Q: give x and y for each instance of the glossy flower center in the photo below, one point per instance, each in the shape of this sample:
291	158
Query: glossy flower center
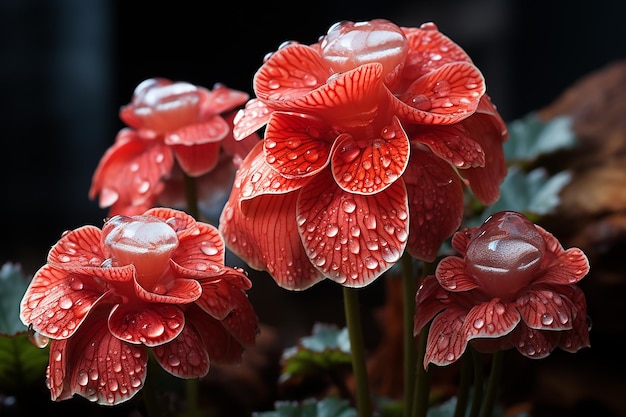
348	45
143	241
505	254
165	106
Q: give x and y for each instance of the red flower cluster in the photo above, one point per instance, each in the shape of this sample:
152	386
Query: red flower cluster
513	286
168	121
366	130
155	281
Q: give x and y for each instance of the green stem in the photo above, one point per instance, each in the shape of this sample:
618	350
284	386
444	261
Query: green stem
464	386
191	192
492	385
149	398
355	331
409	284
478	382
422	386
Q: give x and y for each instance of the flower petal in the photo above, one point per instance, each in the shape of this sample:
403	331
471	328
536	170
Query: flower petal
490	319
370	168
185	356
148	324
130	172
486	128
242	322
297	145
78	247
446	341
352	238
430	299
182	223
577	338
451	144
266	238
221	346
569	267
446	95
211	130
176	291
197	160
545	308
251	118
219	295
57	301
461	239
435	194
219	100
96	365
534	343
200	249
452	275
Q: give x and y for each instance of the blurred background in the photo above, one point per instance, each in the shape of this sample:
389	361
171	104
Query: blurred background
66	67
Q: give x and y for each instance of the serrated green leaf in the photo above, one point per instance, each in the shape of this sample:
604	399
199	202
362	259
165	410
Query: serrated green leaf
13	285
21	363
530	137
327	407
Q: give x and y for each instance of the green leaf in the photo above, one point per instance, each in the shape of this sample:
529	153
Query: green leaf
13	285
21	363
531	137
327	407
325	350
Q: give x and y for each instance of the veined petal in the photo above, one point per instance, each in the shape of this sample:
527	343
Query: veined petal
452	275
451	144
491	319
544	308
147	324
96	365
57	301
182	223
185	356
219	295
199	159
297	145
371	168
242	322
446	341
291	72
204	247
221	346
430	299
435	194
251	118
266	238
486	128
461	239
219	100
78	247
213	129
577	338
428	50
176	291
352	238
446	95
569	267
534	343
130	171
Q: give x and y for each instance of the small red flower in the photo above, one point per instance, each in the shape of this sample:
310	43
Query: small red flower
365	131
513	286
167	122
155	281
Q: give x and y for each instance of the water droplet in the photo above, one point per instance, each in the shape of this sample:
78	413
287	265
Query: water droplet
173	360
479	323
369	221
65	303
421	102
348	205
390	254
332	230
547	319
36	338
371	262
208	248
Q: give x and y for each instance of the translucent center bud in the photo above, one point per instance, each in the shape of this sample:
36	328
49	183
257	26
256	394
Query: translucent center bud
505	254
143	241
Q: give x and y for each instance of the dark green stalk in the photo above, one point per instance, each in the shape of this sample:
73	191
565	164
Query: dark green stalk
355	331
464	386
191	192
492	385
409	288
478	382
422	386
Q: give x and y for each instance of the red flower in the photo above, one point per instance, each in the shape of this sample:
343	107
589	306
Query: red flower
365	132
167	121
513	286
155	281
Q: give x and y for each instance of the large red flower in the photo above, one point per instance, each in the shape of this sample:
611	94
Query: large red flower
513	286
364	133
167	122
155	281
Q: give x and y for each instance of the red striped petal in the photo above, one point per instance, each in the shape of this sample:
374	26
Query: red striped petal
452	275
147	324
185	356
251	118
490	319
446	341
81	246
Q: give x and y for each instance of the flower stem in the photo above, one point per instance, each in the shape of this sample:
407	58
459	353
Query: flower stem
422	386
149	398
355	331
478	383
191	193
409	284
492	384
464	386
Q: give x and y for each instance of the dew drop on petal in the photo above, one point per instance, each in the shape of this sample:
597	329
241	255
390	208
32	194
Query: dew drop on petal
208	248
371	262
547	319
479	323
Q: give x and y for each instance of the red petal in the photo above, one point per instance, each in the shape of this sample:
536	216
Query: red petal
57	301
569	267
446	341
201	249
176	291
219	295
488	130
197	160
461	239
97	365
451	144
452	275
352	238
148	324
130	172
535	344
182	223
250	119
211	130
79	247
490	319
221	346
371	168
266	238
436	204
578	337
242	323
547	309
297	145
446	95
185	356
219	100
430	299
